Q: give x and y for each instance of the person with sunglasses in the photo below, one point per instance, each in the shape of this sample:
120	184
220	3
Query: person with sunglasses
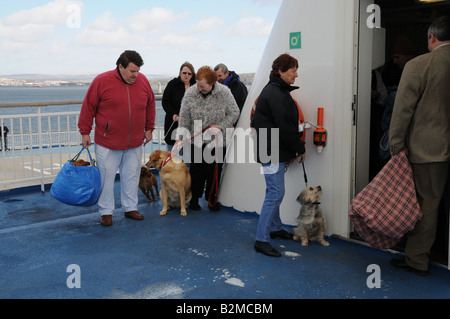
171	101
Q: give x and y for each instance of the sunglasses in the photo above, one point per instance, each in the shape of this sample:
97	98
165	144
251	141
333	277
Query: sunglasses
187	73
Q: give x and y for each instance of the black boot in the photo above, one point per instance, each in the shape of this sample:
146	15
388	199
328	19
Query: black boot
194	204
281	234
266	249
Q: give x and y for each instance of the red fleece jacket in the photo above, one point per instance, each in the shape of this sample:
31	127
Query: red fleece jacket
122	112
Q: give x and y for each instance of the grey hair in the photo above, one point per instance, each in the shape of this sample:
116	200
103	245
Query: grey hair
440	28
221	66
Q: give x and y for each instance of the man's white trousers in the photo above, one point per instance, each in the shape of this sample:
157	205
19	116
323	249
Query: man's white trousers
128	163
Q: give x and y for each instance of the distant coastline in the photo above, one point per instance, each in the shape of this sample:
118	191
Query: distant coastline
41	80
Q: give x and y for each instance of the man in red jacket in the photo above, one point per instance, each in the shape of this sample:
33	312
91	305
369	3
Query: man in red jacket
123	105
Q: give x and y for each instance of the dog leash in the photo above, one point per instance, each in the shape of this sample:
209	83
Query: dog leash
304	170
304	174
214	192
168	158
168	131
215	187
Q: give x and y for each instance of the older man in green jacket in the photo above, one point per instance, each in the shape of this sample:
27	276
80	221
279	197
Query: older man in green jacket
421	124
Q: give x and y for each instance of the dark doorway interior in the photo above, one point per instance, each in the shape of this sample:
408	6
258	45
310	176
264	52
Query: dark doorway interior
407	19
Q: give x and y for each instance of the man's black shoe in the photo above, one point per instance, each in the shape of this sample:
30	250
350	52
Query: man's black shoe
266	249
281	234
401	264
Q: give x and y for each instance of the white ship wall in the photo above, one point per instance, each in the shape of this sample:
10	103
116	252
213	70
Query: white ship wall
326	73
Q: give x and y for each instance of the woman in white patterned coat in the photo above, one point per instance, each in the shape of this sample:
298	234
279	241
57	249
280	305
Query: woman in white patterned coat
207	105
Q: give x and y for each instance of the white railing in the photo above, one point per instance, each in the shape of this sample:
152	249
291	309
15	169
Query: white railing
40	143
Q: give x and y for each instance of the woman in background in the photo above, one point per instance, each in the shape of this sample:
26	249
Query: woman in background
171	100
210	105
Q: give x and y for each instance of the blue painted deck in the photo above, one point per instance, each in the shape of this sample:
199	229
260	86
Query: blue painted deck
205	255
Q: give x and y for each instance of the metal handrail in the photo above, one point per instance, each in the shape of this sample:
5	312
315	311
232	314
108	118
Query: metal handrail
158	97
30	149
26	104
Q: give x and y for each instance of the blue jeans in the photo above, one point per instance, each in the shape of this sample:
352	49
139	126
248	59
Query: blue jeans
269	220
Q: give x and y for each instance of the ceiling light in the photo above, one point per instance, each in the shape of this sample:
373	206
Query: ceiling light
429	1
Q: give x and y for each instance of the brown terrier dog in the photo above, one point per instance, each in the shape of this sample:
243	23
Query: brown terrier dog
146	183
311	220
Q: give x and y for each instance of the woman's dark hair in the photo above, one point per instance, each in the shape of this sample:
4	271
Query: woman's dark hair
128	57
283	63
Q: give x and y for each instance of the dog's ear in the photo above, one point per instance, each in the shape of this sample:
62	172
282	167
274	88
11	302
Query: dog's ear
156	154
157	157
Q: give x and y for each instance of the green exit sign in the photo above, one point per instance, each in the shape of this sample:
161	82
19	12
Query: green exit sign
295	40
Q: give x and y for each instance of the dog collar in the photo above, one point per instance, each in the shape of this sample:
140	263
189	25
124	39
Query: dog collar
315	203
167	160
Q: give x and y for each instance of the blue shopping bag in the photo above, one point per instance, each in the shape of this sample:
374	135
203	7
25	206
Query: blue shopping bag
77	185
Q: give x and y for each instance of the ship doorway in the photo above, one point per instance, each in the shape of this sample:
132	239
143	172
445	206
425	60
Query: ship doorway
404	26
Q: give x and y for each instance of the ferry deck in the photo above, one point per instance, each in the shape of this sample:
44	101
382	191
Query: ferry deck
49	250
206	255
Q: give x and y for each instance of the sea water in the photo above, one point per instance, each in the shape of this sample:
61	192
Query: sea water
45	94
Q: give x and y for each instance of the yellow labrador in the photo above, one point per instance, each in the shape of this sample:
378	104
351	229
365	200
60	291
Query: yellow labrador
175	181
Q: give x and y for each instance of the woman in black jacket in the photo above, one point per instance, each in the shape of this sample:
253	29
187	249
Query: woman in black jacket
172	97
276	112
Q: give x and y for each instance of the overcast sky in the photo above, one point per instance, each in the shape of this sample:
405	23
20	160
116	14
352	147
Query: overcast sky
71	37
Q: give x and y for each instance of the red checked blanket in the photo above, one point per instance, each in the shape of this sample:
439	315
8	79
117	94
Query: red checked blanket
387	208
